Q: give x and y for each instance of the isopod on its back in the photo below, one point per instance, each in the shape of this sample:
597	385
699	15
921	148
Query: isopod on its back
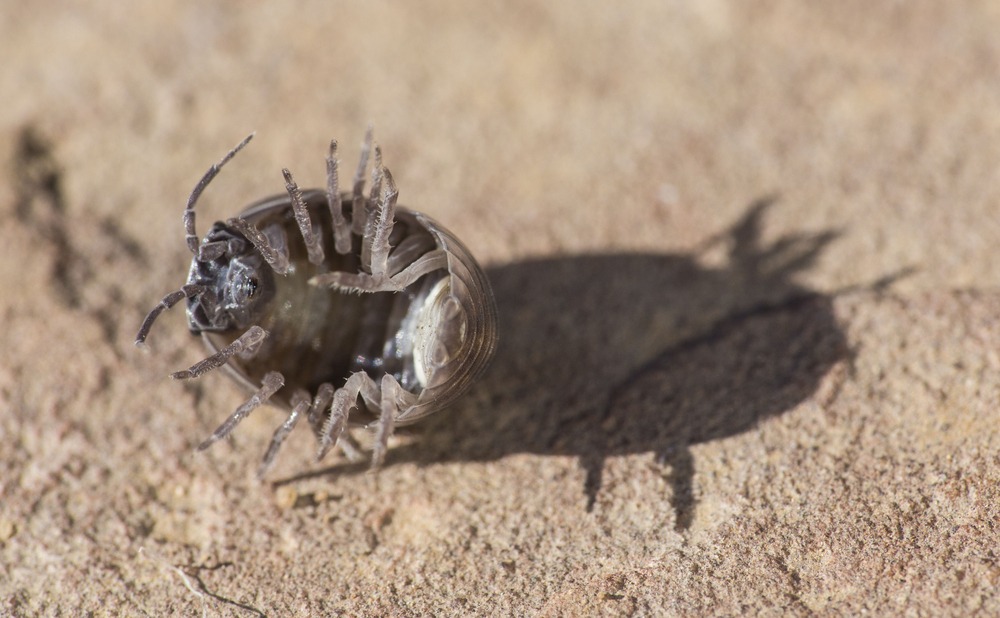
340	307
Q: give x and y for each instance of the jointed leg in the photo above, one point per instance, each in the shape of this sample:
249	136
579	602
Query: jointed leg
386	421
378	260
300	405
379	226
344	400
320	405
249	342
375	193
277	257
341	227
324	395
427	263
363	282
381	272
395	401
314	243
409	250
269	385
359	210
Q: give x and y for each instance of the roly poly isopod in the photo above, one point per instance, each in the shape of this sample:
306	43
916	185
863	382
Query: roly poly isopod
338	307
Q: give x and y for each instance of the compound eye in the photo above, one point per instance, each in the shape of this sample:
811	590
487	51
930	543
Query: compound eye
249	287
245	289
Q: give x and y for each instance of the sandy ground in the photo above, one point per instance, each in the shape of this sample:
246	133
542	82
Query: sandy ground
744	253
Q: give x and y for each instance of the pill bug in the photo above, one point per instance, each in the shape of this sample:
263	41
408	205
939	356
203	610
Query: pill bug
339	307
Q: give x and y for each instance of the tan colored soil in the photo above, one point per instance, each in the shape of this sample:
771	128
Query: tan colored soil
745	255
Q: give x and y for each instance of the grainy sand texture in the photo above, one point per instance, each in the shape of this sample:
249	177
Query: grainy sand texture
745	256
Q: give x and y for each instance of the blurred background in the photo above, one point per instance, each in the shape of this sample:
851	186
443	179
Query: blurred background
558	127
691	212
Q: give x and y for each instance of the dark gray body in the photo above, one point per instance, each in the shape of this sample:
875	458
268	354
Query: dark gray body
339	307
320	335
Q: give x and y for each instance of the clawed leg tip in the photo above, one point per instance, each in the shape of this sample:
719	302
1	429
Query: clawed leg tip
181	375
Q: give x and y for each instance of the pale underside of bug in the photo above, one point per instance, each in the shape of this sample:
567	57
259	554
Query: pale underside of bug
392	324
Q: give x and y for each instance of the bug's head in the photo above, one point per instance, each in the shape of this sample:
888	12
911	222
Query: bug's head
238	282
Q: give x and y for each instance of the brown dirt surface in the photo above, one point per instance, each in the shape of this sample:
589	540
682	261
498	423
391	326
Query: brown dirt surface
744	254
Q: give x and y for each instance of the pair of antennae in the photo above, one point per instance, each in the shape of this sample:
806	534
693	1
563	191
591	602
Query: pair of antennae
190	290
278	260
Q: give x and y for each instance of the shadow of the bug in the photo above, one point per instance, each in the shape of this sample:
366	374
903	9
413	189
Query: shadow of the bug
604	355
